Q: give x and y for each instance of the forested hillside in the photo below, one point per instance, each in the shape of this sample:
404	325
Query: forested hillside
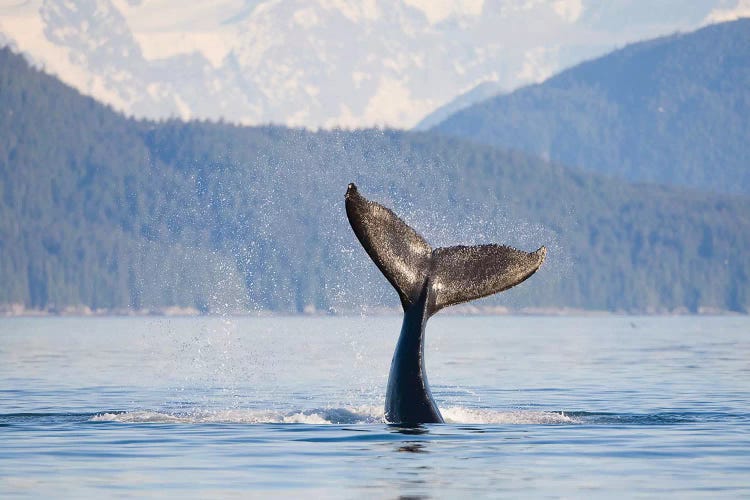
674	110
100	210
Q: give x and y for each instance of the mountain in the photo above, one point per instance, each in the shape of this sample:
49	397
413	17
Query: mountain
296	62
674	110
108	212
315	63
481	92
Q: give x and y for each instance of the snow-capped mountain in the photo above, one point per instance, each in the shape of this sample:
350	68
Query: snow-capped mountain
312	63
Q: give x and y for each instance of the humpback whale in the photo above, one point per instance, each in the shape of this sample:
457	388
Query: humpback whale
427	280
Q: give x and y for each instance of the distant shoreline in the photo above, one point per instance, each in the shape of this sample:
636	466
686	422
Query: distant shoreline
19	311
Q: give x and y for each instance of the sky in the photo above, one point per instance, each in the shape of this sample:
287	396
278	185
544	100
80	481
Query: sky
324	63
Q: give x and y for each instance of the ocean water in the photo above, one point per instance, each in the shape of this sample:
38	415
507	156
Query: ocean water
293	407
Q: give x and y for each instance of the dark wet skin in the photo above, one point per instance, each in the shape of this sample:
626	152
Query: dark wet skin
408	399
427	280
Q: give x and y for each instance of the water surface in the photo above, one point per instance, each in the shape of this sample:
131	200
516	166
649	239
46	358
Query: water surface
536	406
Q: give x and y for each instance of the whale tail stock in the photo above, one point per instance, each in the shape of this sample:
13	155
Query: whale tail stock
454	274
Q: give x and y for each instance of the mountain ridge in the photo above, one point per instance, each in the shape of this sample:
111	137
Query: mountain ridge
312	63
672	110
102	211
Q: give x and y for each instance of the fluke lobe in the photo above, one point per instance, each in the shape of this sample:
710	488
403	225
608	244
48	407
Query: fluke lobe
427	280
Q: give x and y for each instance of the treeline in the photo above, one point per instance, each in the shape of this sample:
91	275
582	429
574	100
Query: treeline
100	210
674	110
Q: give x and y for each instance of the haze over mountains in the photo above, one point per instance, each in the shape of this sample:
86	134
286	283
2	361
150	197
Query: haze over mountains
107	212
323	62
672	110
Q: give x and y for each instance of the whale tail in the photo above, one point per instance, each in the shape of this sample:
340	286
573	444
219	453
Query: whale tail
454	274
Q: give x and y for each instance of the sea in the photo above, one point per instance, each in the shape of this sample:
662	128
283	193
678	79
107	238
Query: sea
292	407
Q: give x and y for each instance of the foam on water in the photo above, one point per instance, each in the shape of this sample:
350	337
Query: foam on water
345	415
461	415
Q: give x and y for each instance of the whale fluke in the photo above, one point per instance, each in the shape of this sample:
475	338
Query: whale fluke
427	280
400	253
460	274
456	274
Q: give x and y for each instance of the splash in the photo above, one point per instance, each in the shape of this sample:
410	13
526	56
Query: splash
461	415
345	415
341	416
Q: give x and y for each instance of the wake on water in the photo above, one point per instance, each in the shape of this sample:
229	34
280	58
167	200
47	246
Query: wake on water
346	415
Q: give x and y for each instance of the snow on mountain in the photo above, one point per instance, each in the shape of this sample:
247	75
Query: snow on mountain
312	63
